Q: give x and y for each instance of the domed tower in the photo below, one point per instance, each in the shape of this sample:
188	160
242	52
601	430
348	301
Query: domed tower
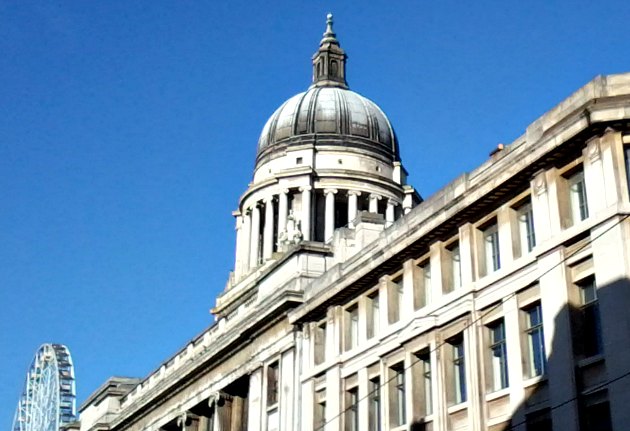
323	156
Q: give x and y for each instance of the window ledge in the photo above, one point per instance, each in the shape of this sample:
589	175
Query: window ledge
534	380
272	409
498	394
457	407
591	360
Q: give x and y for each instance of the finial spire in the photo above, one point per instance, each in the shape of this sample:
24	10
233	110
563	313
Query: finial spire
329	62
329	34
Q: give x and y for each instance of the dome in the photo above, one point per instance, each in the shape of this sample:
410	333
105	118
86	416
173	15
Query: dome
328	113
339	115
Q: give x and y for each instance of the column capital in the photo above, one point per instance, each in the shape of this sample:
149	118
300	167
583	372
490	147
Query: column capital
330	191
392	201
375	196
283	192
268	199
353	193
306	188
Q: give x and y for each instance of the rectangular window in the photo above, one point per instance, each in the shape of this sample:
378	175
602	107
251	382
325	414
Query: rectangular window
319	413
491	245
591	335
455	281
374	406
423	381
535	340
272	384
538	421
319	339
352	327
352	410
422	285
373	314
395	299
526	232
397	393
577	197
458	366
595	412
498	355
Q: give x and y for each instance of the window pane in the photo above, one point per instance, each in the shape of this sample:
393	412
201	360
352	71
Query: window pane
456	268
459	370
535	341
577	191
491	238
526	228
591	322
498	352
374	405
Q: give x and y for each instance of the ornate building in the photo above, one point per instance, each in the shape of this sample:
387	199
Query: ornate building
498	303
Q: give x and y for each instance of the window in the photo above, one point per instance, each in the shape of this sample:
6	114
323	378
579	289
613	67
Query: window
458	369
319	339
395	299
319	413
373	314
591	334
397	396
595	412
538	421
626	156
527	236
352	410
272	384
352	327
374	406
535	340
498	355
422	284
455	279
491	244
577	197
423	380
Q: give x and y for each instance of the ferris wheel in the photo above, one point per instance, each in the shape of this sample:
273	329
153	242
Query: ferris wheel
48	399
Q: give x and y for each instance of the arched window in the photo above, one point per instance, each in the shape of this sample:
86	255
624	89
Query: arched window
333	68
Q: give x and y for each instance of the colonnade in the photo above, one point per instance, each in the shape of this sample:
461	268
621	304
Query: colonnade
260	226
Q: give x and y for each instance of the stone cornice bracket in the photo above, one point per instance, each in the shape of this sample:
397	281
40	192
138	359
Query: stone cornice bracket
592	149
218	399
540	183
185	418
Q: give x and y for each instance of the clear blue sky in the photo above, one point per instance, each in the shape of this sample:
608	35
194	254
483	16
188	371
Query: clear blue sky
129	129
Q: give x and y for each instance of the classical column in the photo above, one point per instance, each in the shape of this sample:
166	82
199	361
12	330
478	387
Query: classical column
305	221
374	203
283	209
239	240
243	250
389	212
268	230
255	234
353	196
329	225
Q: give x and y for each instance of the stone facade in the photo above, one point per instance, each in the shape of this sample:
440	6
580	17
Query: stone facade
498	303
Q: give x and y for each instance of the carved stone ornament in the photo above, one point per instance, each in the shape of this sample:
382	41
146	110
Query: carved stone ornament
540	184
592	150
